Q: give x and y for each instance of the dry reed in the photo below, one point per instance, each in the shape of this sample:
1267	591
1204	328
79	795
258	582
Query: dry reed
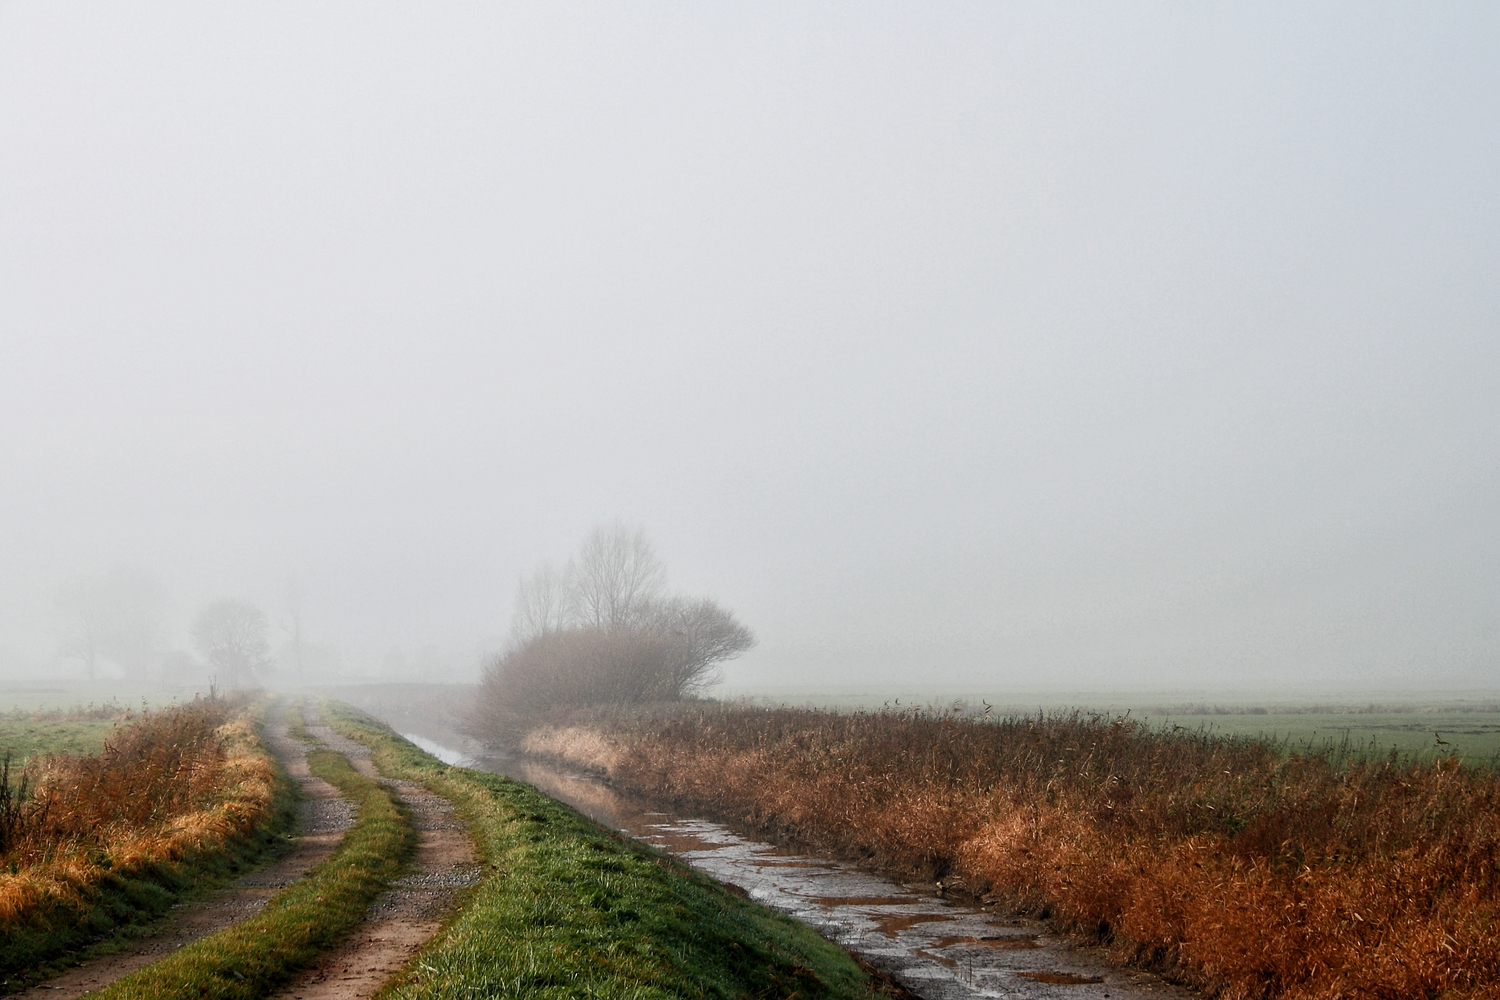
168	785
1232	864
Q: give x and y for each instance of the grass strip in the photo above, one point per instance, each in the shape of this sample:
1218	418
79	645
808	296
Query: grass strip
568	909
122	892
259	954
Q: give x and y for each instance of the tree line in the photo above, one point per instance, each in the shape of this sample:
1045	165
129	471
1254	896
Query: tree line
119	617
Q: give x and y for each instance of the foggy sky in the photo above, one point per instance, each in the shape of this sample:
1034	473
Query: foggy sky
946	343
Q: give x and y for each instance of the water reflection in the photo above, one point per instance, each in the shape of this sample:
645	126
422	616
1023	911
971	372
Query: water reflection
938	948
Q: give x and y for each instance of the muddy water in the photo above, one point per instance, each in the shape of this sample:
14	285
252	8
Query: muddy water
940	949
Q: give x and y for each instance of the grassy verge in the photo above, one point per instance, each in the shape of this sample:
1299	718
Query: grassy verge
180	801
569	910
259	954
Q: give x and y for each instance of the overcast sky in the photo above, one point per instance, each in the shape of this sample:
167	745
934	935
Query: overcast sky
949	344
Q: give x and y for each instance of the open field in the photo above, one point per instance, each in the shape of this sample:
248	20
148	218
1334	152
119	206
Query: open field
568	909
74	718
1367	723
1472	736
28	734
1227	863
69	696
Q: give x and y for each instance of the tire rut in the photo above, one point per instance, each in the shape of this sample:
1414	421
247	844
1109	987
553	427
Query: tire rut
407	916
323	817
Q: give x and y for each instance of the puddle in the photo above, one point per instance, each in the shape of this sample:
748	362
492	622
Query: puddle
1060	978
1016	941
892	926
938	948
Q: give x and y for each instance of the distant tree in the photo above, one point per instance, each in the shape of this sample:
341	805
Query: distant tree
85	623
542	604
583	666
116	616
234	637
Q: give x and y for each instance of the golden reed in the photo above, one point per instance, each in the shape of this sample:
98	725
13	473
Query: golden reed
1231	864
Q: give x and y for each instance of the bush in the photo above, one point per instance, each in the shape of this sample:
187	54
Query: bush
583	666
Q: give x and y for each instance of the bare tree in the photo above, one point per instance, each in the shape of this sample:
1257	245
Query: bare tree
117	616
616	578
234	637
85	623
710	635
542	602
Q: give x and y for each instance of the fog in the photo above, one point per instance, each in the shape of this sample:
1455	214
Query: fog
948	344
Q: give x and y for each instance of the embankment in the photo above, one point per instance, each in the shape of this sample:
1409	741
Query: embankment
568	909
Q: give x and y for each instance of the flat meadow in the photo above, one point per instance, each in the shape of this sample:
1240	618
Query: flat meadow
1429	726
25	734
1440	731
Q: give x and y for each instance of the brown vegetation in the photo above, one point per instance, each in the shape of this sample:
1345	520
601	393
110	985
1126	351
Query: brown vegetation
1228	863
172	784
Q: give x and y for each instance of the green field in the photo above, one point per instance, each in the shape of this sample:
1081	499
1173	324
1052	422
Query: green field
72	717
25	735
67	696
1370	722
1473	736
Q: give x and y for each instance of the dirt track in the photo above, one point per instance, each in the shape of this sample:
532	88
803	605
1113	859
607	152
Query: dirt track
406	917
323	818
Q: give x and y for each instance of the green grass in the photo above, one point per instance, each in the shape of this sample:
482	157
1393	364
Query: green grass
24	735
257	955
568	909
1473	736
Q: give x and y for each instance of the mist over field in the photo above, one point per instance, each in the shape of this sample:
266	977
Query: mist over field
959	346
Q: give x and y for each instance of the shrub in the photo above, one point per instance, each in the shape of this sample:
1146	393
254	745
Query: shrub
581	666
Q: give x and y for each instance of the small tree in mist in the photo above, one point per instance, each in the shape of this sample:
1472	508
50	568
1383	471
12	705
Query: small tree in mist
114	616
603	631
541	605
234	637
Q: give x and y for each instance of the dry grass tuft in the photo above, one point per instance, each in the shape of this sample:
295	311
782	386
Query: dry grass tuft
1229	863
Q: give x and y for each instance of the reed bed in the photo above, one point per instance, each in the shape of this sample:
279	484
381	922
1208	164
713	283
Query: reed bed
95	840
1238	866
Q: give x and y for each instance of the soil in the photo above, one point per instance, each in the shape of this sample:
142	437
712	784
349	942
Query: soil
405	918
323	817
